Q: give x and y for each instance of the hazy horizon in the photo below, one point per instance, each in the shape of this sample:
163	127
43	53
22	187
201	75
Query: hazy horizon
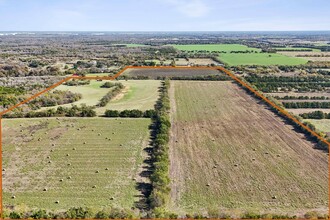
164	15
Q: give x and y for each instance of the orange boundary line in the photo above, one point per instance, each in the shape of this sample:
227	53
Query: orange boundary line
287	114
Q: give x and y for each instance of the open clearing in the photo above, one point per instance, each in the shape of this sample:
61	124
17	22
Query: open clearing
79	161
160	73
230	153
137	94
311	56
322	125
234	59
298	111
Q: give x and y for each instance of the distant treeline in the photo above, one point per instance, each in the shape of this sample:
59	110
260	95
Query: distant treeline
306	104
284	83
222	77
301	97
315	115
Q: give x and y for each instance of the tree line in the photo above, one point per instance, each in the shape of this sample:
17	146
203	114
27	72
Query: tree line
315	115
116	89
306	104
301	97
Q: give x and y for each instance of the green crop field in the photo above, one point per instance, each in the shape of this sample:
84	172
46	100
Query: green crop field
234	59
230	153
78	162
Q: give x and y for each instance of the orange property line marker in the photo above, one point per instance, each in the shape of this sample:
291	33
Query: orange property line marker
284	112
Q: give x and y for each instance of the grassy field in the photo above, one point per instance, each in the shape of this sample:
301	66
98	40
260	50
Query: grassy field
234	59
137	94
230	154
93	162
322	125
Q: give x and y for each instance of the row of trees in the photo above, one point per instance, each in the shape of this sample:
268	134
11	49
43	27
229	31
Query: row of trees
301	97
306	104
74	111
116	89
315	115
75	82
134	113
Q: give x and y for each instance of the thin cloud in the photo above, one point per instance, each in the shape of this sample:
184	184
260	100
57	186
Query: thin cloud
190	8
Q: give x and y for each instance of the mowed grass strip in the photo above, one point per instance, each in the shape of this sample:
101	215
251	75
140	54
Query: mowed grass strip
79	162
235	59
230	153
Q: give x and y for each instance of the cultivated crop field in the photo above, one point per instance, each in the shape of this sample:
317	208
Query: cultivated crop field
77	162
156	73
255	57
229	153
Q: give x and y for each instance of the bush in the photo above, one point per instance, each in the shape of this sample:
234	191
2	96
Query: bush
15	215
75	213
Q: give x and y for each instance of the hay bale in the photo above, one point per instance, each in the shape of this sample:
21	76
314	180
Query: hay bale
61	180
69	164
48	157
236	165
107	168
45	189
93	130
94	186
53	145
278	155
85	142
13	197
121	145
215	166
208	184
57	202
97	171
254	149
266	153
113	132
21	130
51	150
78	129
39	139
69	177
253	159
99	134
49	161
74	148
274	197
112	198
67	155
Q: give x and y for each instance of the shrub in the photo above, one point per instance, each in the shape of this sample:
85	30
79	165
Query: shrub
80	212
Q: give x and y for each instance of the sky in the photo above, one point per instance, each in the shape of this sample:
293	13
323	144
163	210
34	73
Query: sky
164	15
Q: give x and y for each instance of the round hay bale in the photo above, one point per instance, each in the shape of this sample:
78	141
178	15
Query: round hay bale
69	164
3	169
93	130
113	132
57	202
51	150
20	125
99	134
94	186
45	189
121	145
53	145
278	155
74	148
21	130
208	184
67	155
253	159
48	157
78	129
266	153
13	197
39	139
49	161
61	180
254	149
214	166
107	168
236	165
69	177
85	142
112	198
274	197
97	171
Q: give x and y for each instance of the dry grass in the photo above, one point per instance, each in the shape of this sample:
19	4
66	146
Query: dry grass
230	153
